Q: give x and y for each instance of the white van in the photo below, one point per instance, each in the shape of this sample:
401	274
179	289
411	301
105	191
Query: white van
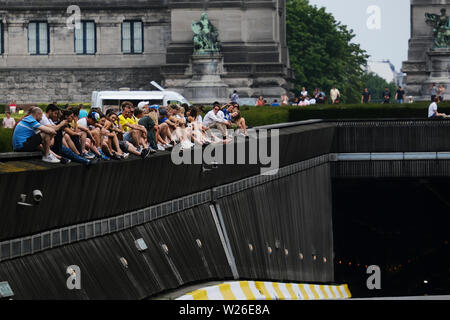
105	100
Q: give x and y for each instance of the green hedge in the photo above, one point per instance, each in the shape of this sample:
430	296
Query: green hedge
257	116
5	140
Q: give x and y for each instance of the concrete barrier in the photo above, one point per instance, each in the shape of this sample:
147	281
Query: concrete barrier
256	290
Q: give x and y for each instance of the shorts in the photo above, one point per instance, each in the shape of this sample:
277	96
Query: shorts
127	137
123	145
32	143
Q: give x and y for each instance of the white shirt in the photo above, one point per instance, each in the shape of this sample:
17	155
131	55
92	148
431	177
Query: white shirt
304	93
212	118
9	123
432	109
46	121
83	122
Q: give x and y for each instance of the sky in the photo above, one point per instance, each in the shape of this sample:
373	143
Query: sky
382	27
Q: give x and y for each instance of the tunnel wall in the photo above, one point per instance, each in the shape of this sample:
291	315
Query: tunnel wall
196	248
277	229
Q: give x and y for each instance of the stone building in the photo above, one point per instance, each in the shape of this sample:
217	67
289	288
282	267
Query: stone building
123	43
426	64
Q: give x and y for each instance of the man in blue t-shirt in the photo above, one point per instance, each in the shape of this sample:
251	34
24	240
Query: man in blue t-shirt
29	135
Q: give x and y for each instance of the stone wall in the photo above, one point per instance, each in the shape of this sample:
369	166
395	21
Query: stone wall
70	85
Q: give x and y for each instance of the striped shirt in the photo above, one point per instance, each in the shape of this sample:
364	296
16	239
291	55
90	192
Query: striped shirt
24	130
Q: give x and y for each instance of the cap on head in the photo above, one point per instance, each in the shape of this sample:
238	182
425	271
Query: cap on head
143	104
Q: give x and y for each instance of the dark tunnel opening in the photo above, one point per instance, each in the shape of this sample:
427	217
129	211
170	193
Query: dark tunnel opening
400	225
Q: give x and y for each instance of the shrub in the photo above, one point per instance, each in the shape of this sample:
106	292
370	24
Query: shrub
5	140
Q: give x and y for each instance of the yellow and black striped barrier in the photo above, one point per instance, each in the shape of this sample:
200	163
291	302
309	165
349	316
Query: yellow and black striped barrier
255	290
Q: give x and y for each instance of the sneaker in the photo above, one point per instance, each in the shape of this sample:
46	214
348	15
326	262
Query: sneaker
125	156
152	150
145	153
88	156
161	148
65	160
139	149
50	159
116	157
103	156
92	162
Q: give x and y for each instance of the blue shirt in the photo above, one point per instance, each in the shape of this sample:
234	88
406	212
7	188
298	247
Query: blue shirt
24	130
83	114
276	104
227	115
163	120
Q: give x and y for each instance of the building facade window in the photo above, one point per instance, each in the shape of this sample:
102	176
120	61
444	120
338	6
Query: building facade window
86	38
2	41
132	37
38	38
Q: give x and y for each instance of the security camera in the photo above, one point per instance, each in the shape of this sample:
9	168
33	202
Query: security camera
37	196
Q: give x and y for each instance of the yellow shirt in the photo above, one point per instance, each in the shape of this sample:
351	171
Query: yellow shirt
123	121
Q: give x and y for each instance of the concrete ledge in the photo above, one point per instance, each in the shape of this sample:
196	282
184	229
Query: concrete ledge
8	156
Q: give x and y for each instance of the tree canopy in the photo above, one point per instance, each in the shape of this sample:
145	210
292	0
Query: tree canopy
321	52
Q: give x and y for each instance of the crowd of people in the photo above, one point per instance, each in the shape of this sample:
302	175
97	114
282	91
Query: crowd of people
74	134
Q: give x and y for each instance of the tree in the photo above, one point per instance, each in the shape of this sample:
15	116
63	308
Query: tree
321	52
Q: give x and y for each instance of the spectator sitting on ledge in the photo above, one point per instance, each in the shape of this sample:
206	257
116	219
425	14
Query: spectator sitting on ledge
29	135
433	110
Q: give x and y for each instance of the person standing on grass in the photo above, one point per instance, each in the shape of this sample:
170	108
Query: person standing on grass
13	106
400	95
234	97
433	92
386	96
441	93
335	95
366	97
8	122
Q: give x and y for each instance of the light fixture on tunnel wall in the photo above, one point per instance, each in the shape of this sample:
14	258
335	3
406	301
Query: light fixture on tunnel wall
269	249
199	243
165	248
250	246
301	256
141	245
278	244
5	290
325	260
124	262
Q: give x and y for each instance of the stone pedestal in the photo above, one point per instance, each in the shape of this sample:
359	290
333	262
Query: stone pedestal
426	64
206	85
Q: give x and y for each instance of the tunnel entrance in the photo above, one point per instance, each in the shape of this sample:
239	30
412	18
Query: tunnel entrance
400	225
